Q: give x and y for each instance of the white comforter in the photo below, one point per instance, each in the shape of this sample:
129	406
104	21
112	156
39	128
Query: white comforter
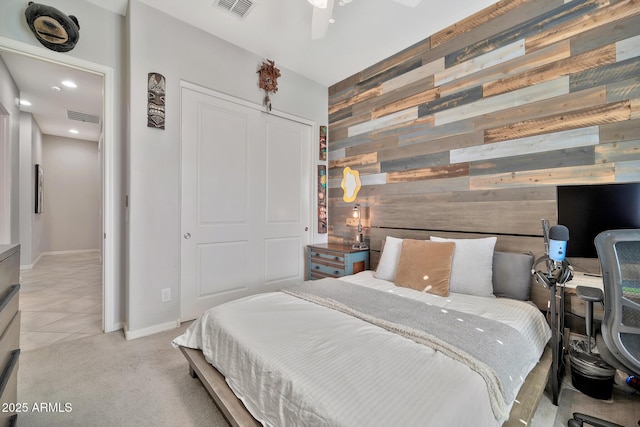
294	363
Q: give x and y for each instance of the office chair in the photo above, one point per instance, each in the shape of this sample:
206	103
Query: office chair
619	339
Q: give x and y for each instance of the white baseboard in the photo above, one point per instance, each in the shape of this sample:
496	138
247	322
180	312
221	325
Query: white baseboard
77	251
114	327
132	335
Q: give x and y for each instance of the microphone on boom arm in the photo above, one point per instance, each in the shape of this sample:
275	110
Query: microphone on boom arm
559	269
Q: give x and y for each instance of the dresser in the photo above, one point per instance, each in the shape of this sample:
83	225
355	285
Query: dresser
9	332
335	260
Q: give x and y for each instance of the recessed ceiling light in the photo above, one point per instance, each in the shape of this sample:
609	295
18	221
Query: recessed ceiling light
56	88
73	131
69	83
25	102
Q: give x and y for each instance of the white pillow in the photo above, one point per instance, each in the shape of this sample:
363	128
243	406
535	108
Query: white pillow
388	264
472	266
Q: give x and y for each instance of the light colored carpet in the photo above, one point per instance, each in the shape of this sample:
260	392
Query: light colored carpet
113	382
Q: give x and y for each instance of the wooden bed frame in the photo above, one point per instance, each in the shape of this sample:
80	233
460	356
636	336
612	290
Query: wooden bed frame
237	415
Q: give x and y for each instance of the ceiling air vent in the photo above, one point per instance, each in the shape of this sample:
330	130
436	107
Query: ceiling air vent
239	8
82	117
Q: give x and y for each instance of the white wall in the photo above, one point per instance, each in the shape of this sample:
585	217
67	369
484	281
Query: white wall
160	43
32	237
9	157
101	42
72	194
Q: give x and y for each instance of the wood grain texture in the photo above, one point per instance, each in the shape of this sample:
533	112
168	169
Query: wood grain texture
466	133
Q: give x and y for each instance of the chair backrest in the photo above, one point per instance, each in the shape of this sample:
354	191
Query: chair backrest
619	255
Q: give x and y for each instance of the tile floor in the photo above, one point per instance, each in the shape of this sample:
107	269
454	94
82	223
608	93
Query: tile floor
61	299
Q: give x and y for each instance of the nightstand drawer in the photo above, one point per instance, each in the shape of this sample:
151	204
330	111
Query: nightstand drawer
327	270
334	260
327	257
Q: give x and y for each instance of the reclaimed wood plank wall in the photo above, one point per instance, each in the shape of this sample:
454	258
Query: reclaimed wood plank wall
468	132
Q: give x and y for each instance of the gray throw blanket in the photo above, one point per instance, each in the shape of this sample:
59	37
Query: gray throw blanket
492	349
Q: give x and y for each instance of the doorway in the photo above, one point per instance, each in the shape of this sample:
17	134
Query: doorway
111	318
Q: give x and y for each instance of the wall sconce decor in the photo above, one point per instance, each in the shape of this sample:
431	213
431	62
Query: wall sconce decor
268	80
350	184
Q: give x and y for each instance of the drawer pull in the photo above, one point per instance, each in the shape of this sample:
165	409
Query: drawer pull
336	272
7	297
317	254
8	370
337	258
317	267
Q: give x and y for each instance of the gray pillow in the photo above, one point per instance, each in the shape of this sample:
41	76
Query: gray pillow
512	275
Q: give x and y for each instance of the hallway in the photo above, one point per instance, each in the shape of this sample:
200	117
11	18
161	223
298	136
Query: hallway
61	299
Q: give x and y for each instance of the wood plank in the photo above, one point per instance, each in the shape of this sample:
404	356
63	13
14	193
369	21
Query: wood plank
450	101
608	113
403	104
569	102
385	121
363	170
528	145
415	162
628	48
213	381
487	60
362	159
555	18
430	133
618	151
443	185
415	75
605	74
517	65
608	33
628	171
584	22
529	396
620	131
539	92
394	152
588	60
514	217
435	172
624	90
373	145
580	156
416	50
594	174
476	20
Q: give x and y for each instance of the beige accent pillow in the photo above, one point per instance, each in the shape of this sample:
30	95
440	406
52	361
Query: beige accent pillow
425	266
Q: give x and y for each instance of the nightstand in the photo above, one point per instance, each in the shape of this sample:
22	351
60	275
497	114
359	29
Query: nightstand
335	260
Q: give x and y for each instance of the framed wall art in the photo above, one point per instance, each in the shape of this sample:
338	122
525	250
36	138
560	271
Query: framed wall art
39	189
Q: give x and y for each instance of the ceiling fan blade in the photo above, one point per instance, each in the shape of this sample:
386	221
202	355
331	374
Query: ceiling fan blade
409	3
320	21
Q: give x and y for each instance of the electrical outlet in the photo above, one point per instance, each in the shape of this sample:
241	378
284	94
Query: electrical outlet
166	295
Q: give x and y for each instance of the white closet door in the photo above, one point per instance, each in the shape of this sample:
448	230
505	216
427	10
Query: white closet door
245	201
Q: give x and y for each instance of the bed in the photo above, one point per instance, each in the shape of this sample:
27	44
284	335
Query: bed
364	350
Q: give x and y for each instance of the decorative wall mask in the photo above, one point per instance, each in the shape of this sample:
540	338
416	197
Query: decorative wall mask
155	100
322	199
52	28
350	184
268	80
323	143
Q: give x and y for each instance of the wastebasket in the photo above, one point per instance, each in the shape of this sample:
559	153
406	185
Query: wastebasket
589	373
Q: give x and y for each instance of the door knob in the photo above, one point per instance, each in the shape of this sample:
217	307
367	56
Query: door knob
187	236
306	229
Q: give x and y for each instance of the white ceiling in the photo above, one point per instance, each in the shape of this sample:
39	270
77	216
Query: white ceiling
365	32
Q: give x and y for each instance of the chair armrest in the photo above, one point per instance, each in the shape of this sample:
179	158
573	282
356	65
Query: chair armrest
589	293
